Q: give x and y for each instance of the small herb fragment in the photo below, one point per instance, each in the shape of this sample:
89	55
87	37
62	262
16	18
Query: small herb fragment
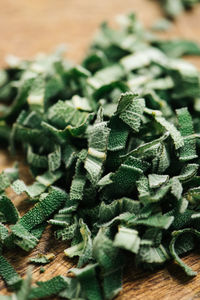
42	259
173	8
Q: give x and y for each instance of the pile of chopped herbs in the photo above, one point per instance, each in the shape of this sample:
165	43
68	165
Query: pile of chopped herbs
173	8
113	146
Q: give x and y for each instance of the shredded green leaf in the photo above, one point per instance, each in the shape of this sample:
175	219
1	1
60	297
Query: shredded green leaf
113	149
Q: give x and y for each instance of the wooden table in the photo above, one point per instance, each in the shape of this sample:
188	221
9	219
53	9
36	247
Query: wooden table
28	27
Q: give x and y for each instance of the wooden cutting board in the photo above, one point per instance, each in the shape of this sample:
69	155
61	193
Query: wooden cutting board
29	27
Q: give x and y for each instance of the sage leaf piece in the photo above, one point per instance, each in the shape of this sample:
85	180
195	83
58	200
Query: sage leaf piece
173	9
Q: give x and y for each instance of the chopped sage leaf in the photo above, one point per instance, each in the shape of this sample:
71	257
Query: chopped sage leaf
113	149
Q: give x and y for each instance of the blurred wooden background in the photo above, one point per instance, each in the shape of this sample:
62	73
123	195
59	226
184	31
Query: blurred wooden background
29	27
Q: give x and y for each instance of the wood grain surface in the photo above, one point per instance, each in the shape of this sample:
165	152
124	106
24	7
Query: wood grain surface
29	27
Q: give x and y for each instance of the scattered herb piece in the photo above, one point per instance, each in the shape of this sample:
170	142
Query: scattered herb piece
173	8
42	259
42	270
